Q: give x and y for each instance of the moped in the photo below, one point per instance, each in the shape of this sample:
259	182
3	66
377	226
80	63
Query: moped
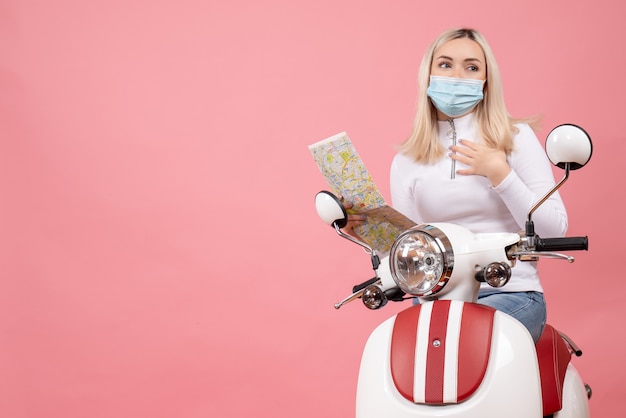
449	356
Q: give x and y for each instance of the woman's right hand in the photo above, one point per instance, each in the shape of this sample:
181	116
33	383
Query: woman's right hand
354	219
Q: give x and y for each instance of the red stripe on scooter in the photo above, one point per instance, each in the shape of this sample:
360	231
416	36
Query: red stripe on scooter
403	342
435	359
474	348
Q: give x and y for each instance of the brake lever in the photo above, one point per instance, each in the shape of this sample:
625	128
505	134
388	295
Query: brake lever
530	255
357	294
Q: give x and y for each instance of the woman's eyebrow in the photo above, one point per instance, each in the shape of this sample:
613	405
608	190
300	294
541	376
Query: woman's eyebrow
445	57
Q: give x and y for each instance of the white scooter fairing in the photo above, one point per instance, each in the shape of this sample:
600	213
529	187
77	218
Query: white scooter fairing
449	356
437	386
482	366
460	358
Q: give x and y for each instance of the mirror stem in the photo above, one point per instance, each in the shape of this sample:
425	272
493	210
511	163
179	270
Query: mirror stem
367	248
530	229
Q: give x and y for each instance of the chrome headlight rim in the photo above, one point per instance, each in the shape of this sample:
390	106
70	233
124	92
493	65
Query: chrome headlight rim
445	249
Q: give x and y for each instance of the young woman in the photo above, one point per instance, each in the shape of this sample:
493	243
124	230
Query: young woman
469	162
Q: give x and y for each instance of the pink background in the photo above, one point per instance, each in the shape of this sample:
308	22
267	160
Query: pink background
160	253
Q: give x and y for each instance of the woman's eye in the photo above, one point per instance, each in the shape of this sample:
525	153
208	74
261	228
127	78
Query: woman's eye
445	65
472	68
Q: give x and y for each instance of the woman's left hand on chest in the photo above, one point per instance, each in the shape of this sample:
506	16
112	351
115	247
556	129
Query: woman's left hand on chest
481	160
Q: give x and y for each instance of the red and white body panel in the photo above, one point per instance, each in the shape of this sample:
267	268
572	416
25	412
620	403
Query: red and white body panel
436	380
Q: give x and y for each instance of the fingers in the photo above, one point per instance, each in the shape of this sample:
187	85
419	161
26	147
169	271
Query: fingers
346	204
460	156
481	160
467	153
349	205
470	144
467	148
354	221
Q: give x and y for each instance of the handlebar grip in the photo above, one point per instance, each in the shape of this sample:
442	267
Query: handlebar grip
363	285
562	244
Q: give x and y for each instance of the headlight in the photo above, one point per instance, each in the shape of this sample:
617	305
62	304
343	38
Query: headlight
421	260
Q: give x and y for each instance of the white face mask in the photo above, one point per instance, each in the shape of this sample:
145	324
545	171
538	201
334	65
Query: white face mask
455	96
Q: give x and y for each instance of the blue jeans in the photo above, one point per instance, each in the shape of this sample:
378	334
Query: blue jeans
527	307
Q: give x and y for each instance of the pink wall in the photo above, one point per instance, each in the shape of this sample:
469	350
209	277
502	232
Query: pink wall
160	252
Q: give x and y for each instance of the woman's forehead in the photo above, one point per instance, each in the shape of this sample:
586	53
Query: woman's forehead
460	48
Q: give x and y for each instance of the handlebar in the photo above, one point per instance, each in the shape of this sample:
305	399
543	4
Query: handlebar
363	285
561	244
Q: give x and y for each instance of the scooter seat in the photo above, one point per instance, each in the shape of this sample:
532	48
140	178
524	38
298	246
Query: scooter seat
553	357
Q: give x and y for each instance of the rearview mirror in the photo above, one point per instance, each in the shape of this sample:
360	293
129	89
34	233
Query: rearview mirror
330	209
569	144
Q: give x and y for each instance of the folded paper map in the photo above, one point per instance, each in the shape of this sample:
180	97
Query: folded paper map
347	177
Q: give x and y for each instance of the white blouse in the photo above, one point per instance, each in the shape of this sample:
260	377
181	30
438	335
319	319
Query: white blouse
427	193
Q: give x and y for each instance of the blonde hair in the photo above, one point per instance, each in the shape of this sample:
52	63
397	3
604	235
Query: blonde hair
494	123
